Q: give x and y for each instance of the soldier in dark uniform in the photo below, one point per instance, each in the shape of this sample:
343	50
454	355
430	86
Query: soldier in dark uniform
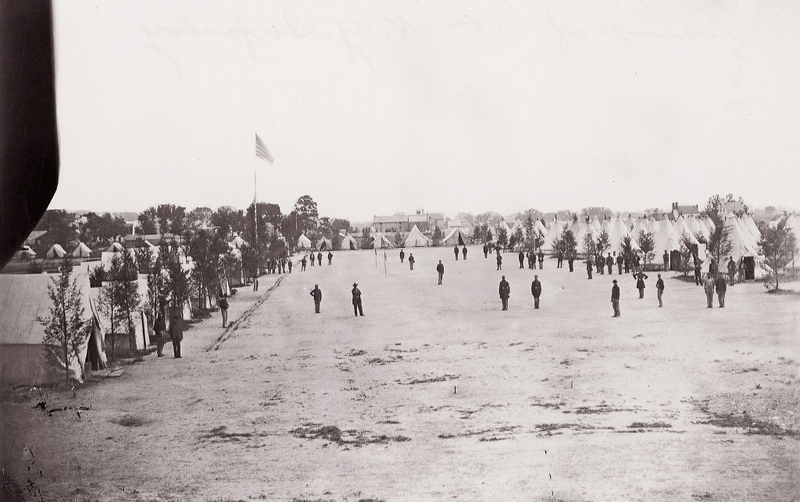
640	277
627	262
161	332
223	308
330	257
499	261
570	260
698	277
666	260
455	252
531	260
660	290
505	292
541	259
610	263
290	265
176	332
303	264
312	258
464	252
560	263
411	260
357	307
402	255
600	262
589	266
731	271
521	259
536	291
317	294
485	251
721	287
440	269
615	298
620	261
708	286
319	258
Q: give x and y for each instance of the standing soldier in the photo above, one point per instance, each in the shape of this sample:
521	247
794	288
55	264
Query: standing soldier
319	258
698	276
464	252
640	277
402	255
223	308
357	307
742	270
161	331
176	330
455	252
615	298
290	265
571	260
312	258
521	259
330	257
560	263
499	261
531	260
536	291
541	259
317	294
626	260
666	260
505	292
303	264
610	263
411	260
589	266
255	281
708	285
722	287
440	269
660	289
485	251
731	271
620	261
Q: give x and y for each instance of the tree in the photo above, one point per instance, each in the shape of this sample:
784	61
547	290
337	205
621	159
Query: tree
199	218
490	218
646	243
111	297
529	229
228	221
148	221
206	248
687	252
626	248
365	237
178	279
65	326
502	237
779	246
338	224
519	237
437	236
398	240
129	297
719	244
603	242
307	215
588	245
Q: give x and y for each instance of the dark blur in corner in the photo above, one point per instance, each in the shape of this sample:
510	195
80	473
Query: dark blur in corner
28	132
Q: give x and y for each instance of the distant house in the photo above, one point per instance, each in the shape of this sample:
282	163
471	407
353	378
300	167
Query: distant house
33	238
129	241
686	210
733	206
400	222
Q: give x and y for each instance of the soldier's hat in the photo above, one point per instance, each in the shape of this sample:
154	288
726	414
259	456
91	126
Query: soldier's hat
615	281
355	284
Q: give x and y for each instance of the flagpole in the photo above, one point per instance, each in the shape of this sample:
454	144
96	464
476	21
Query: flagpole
255	210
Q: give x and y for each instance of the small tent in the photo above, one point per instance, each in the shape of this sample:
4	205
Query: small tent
456	238
303	242
25	253
380	241
348	242
115	247
56	251
324	243
81	251
416	239
552	236
238	242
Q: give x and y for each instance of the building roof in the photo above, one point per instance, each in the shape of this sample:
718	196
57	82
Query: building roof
390	219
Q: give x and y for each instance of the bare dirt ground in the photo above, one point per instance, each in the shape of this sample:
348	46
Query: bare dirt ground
438	394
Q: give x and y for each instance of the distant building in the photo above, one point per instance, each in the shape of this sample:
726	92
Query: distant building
401	222
685	210
733	206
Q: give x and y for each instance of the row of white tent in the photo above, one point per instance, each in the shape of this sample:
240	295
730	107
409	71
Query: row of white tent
415	238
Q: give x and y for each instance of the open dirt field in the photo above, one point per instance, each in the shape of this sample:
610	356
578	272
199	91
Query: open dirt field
437	394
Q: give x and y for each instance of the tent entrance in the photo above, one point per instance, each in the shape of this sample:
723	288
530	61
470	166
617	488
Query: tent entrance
749	268
675	260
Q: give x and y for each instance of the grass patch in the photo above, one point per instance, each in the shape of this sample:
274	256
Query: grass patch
442	378
649	425
344	438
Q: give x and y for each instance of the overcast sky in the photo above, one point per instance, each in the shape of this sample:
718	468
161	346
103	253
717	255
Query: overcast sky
376	107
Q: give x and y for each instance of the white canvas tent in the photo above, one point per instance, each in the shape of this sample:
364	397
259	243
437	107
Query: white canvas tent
380	241
56	251
303	242
25	253
115	247
666	239
238	242
348	242
81	251
416	239
552	236
24	359
456	238
324	243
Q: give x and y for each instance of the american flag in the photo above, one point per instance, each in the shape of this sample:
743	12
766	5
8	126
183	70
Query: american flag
262	152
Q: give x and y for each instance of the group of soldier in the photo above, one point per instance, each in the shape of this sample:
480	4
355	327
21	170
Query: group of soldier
307	258
278	265
358	307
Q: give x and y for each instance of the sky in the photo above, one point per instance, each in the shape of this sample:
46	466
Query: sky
377	107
